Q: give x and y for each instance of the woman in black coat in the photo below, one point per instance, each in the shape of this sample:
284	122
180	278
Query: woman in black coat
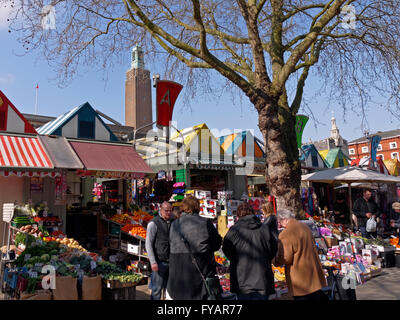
270	219
250	249
185	281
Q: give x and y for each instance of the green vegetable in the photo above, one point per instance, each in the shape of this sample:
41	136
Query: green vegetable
45	258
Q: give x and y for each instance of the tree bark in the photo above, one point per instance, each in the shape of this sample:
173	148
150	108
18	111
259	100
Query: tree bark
283	171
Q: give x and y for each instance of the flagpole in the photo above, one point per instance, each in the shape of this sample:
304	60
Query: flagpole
36	99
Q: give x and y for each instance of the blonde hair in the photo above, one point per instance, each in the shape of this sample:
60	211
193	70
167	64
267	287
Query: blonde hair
268	209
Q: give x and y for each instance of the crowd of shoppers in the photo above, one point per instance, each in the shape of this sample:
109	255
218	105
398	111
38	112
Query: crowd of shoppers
181	246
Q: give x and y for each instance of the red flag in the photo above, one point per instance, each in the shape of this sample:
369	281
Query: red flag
37	86
166	94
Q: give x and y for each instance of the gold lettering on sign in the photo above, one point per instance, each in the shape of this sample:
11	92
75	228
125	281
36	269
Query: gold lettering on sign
165	98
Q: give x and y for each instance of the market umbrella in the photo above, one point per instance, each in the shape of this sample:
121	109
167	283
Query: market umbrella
349	175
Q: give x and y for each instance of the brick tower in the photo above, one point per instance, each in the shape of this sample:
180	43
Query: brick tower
138	108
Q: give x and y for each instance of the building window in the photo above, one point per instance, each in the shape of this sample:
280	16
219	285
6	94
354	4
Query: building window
395	155
351	151
364	149
393	145
314	161
3	120
86	129
379	147
380	155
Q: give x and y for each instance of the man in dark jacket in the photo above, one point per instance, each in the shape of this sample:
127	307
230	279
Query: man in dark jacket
250	249
157	248
365	208
185	281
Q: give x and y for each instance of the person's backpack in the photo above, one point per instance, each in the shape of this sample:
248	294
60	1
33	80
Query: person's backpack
371	225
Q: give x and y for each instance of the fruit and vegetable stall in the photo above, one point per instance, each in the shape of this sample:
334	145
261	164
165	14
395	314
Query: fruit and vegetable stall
57	267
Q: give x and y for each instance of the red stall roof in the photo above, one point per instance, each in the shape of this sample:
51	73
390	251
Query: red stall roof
110	157
23	152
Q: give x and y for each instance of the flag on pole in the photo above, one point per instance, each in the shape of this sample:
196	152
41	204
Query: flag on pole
37	86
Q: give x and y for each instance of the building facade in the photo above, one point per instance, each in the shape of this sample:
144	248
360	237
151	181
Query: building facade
388	148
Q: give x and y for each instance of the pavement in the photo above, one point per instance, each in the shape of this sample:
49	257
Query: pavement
385	286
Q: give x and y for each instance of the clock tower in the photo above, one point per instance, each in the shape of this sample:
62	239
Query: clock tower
138	107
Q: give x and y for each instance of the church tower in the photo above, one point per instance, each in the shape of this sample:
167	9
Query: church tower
335	133
138	106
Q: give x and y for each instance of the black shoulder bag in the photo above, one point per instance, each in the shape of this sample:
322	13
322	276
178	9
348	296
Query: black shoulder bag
213	286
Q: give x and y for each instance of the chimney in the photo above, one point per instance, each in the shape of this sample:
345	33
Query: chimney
138	107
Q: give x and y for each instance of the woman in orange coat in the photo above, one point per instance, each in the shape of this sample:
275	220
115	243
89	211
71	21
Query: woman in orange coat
297	251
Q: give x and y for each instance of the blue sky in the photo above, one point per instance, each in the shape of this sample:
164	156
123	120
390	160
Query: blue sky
20	74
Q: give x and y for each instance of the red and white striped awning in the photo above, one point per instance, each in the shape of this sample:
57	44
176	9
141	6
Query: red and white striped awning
22	152
40	174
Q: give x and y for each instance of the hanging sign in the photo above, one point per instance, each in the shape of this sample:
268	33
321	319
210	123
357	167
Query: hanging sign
301	121
166	94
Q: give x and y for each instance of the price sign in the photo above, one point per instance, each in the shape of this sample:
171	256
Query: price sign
27	257
77	267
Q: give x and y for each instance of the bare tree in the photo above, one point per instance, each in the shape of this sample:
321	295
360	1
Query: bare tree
265	49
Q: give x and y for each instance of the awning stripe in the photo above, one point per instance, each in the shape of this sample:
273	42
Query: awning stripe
25	152
36	153
22	152
18	152
4	160
29	153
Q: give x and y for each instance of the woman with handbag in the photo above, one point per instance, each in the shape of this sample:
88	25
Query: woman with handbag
192	267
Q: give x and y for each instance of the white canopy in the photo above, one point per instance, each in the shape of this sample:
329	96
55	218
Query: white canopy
348	175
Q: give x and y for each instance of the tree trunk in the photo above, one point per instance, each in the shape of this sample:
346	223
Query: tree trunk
283	171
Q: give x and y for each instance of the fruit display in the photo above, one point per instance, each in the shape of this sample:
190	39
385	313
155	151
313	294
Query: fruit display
121	218
33	231
138	231
141	215
394	242
69	242
279	273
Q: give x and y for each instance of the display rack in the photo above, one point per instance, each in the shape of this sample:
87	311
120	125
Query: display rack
134	249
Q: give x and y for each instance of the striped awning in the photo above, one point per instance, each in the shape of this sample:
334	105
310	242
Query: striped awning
23	152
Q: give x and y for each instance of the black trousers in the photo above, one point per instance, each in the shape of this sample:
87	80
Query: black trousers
315	296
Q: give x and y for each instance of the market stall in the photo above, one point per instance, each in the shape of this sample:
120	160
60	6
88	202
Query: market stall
43	267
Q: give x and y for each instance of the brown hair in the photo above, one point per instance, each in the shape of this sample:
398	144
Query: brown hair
268	209
244	209
191	205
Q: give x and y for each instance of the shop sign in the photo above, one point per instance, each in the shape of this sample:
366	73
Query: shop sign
36	184
166	94
110	174
259	169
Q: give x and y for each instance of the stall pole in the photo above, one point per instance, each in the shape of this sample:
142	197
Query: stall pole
350	206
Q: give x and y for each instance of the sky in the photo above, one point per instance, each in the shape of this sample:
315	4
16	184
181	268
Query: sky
19	75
